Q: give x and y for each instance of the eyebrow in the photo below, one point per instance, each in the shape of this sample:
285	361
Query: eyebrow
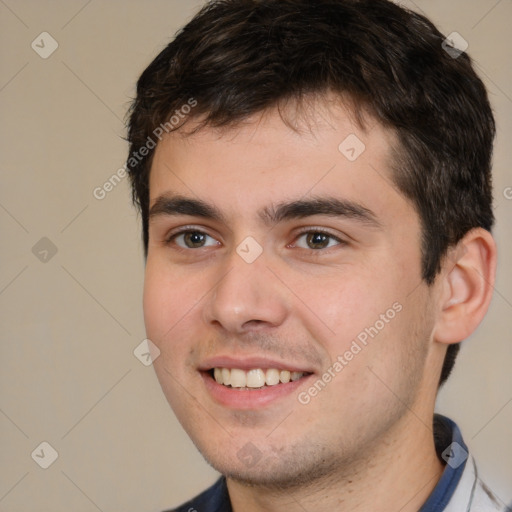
329	206
178	205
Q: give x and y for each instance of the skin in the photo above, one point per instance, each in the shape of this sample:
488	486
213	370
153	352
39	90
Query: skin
366	437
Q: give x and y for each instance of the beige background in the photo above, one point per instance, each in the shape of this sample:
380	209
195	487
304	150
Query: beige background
69	325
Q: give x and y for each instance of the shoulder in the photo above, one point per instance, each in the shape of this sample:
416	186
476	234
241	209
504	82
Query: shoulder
484	500
473	495
214	499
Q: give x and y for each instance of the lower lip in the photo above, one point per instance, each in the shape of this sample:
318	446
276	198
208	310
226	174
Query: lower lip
245	399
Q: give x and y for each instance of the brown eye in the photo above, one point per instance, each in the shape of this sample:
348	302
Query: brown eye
317	240
194	240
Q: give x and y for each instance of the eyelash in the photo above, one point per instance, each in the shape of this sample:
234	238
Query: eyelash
322	231
170	239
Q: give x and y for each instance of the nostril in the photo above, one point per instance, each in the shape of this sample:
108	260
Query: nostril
253	323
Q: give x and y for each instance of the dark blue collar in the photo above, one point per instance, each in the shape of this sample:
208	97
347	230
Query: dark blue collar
451	449
214	499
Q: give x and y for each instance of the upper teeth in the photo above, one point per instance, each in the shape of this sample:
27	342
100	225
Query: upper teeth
256	378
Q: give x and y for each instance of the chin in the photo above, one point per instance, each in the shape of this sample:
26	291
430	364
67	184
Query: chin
294	469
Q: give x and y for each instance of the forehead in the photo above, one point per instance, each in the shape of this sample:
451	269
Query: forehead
264	161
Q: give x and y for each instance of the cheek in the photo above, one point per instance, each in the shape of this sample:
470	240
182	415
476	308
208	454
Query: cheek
167	309
345	304
166	302
157	305
367	316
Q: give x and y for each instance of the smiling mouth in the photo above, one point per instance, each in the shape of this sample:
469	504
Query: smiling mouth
256	378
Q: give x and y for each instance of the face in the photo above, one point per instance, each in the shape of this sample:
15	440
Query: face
283	289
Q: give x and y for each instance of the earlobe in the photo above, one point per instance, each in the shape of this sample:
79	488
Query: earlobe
468	277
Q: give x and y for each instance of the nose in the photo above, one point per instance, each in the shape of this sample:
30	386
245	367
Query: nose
247	298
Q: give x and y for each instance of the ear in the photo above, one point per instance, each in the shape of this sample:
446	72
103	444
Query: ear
468	275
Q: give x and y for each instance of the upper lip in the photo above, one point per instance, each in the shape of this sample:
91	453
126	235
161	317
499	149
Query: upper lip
251	363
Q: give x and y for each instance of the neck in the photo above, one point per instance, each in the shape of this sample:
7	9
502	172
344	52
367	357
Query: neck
398	473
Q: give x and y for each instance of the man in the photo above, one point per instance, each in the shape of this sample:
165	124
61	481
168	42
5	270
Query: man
314	184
